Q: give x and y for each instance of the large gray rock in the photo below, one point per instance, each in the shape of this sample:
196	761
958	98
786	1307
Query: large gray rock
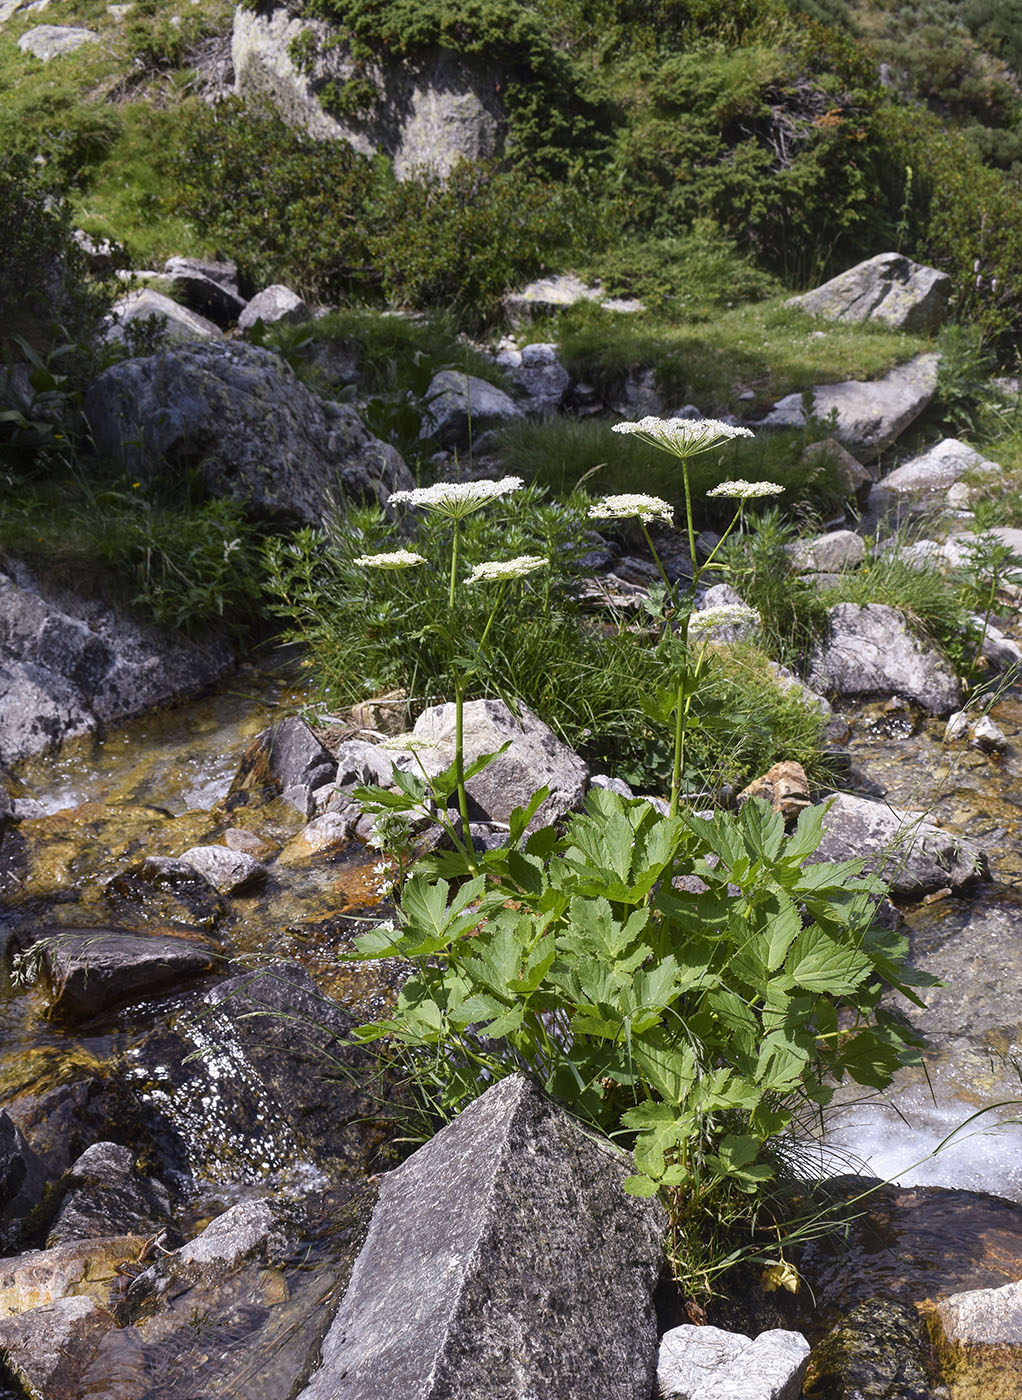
539	379
871	414
504	1260
853	477
869	650
210	288
888	288
274	305
460	407
979	1341
287	755
258	434
912	855
48	41
69	665
106	1195
706	1363
535	758
229	872
176	324
92	970
829	553
936	470
48	1347
431	111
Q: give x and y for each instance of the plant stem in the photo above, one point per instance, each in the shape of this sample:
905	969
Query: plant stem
459	768
454	571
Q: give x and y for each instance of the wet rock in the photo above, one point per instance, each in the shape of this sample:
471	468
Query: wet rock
706	1363
81	1269
871	415
93	970
503	1256
21	1180
869	650
258	434
535	758
48	1348
287	755
888	288
249	843
785	786
272	306
830	553
62	1121
460	407
229	872
988	736
106	1195
69	665
979	1340
913	856
879	1352
328	832
177	324
48	41
935	471
161	890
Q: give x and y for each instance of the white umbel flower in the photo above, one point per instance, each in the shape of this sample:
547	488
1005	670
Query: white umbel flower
501	570
396	559
746	490
724	615
626	507
684	437
456	499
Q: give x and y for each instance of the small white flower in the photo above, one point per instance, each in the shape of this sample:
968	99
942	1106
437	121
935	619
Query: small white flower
230	546
625	507
684	437
396	559
724	615
746	490
500	570
456	499
381	868
385	926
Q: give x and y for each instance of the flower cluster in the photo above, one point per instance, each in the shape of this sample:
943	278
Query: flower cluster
624	507
684	437
396	559
724	615
501	570
456	499
746	490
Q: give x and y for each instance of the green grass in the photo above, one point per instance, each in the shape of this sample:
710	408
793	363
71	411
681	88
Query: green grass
765	348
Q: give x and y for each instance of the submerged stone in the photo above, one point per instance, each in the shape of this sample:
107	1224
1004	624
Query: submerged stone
878	1352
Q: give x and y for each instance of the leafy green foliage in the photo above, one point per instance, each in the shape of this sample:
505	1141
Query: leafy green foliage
695	1018
791	613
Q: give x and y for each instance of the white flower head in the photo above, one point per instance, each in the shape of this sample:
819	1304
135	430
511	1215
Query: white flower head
396	559
501	570
724	615
456	499
626	507
683	437
746	490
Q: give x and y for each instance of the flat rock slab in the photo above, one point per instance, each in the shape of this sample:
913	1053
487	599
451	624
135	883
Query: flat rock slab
92	970
47	1349
871	414
48	41
889	288
504	1260
915	857
175	323
706	1363
535	758
869	650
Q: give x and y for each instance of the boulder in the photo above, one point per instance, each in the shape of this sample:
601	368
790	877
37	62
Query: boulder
160	890
829	553
286	756
223	271
430	111
856	482
48	1348
869	650
229	872
978	1336
503	1258
69	665
539	380
22	1178
888	288
935	471
258	434
48	41
878	1349
92	970
913	856
272	306
358	761
460	407
210	288
535	758
871	414
178	325
105	1194
707	1363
